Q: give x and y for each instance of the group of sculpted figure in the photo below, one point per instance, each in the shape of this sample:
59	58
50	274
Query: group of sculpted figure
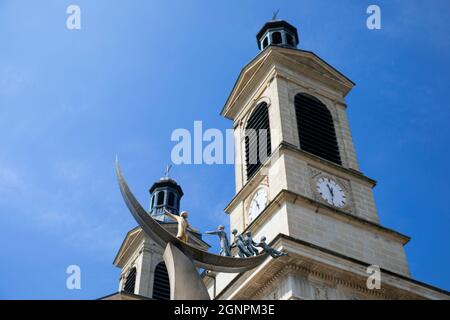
245	245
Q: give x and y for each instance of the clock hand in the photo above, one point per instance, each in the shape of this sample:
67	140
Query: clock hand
331	190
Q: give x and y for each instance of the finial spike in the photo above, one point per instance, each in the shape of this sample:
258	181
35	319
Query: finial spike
275	14
166	173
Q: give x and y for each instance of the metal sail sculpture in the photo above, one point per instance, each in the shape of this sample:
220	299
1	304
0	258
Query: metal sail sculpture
179	255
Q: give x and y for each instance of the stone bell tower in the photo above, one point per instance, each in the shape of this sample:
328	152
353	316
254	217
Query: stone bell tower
299	184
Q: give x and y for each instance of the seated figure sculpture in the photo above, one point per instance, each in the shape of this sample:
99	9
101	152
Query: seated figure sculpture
268	249
250	244
183	225
224	243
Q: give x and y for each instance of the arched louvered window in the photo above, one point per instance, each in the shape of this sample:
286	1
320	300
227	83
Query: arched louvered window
257	139
290	39
171	201
160	198
265	42
316	128
161	284
153	202
130	281
276	38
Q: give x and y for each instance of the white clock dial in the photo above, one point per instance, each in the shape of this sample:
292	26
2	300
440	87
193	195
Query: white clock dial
258	203
331	192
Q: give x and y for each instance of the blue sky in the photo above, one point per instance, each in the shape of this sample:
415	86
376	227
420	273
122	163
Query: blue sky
70	101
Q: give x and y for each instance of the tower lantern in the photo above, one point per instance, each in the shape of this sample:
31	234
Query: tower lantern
165	194
277	33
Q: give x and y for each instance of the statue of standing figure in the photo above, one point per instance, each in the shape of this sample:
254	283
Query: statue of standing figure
268	249
250	244
224	243
183	225
240	244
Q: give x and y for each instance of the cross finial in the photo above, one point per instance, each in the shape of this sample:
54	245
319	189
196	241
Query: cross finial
166	173
275	14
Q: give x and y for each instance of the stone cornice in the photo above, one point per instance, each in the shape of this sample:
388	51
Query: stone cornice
132	237
296	269
385	272
347	171
300	58
321	208
282	147
390	287
342	215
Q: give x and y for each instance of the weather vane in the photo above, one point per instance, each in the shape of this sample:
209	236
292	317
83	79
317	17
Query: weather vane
275	14
166	173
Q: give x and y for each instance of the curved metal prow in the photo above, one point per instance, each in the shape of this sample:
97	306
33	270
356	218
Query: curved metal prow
161	236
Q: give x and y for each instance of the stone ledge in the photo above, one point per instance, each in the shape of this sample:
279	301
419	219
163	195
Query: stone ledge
352	274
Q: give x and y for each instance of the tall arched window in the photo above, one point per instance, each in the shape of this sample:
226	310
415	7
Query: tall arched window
265	42
130	281
160	198
152	203
161	284
257	139
290	39
276	38
316	128
171	201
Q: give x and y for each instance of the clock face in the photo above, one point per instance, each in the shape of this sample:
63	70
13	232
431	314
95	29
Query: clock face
331	192
258	203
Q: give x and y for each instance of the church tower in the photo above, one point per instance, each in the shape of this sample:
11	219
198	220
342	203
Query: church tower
298	183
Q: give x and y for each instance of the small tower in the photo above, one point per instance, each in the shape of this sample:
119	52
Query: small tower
165	194
277	33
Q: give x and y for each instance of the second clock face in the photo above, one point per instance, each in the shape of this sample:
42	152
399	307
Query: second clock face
258	203
331	192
